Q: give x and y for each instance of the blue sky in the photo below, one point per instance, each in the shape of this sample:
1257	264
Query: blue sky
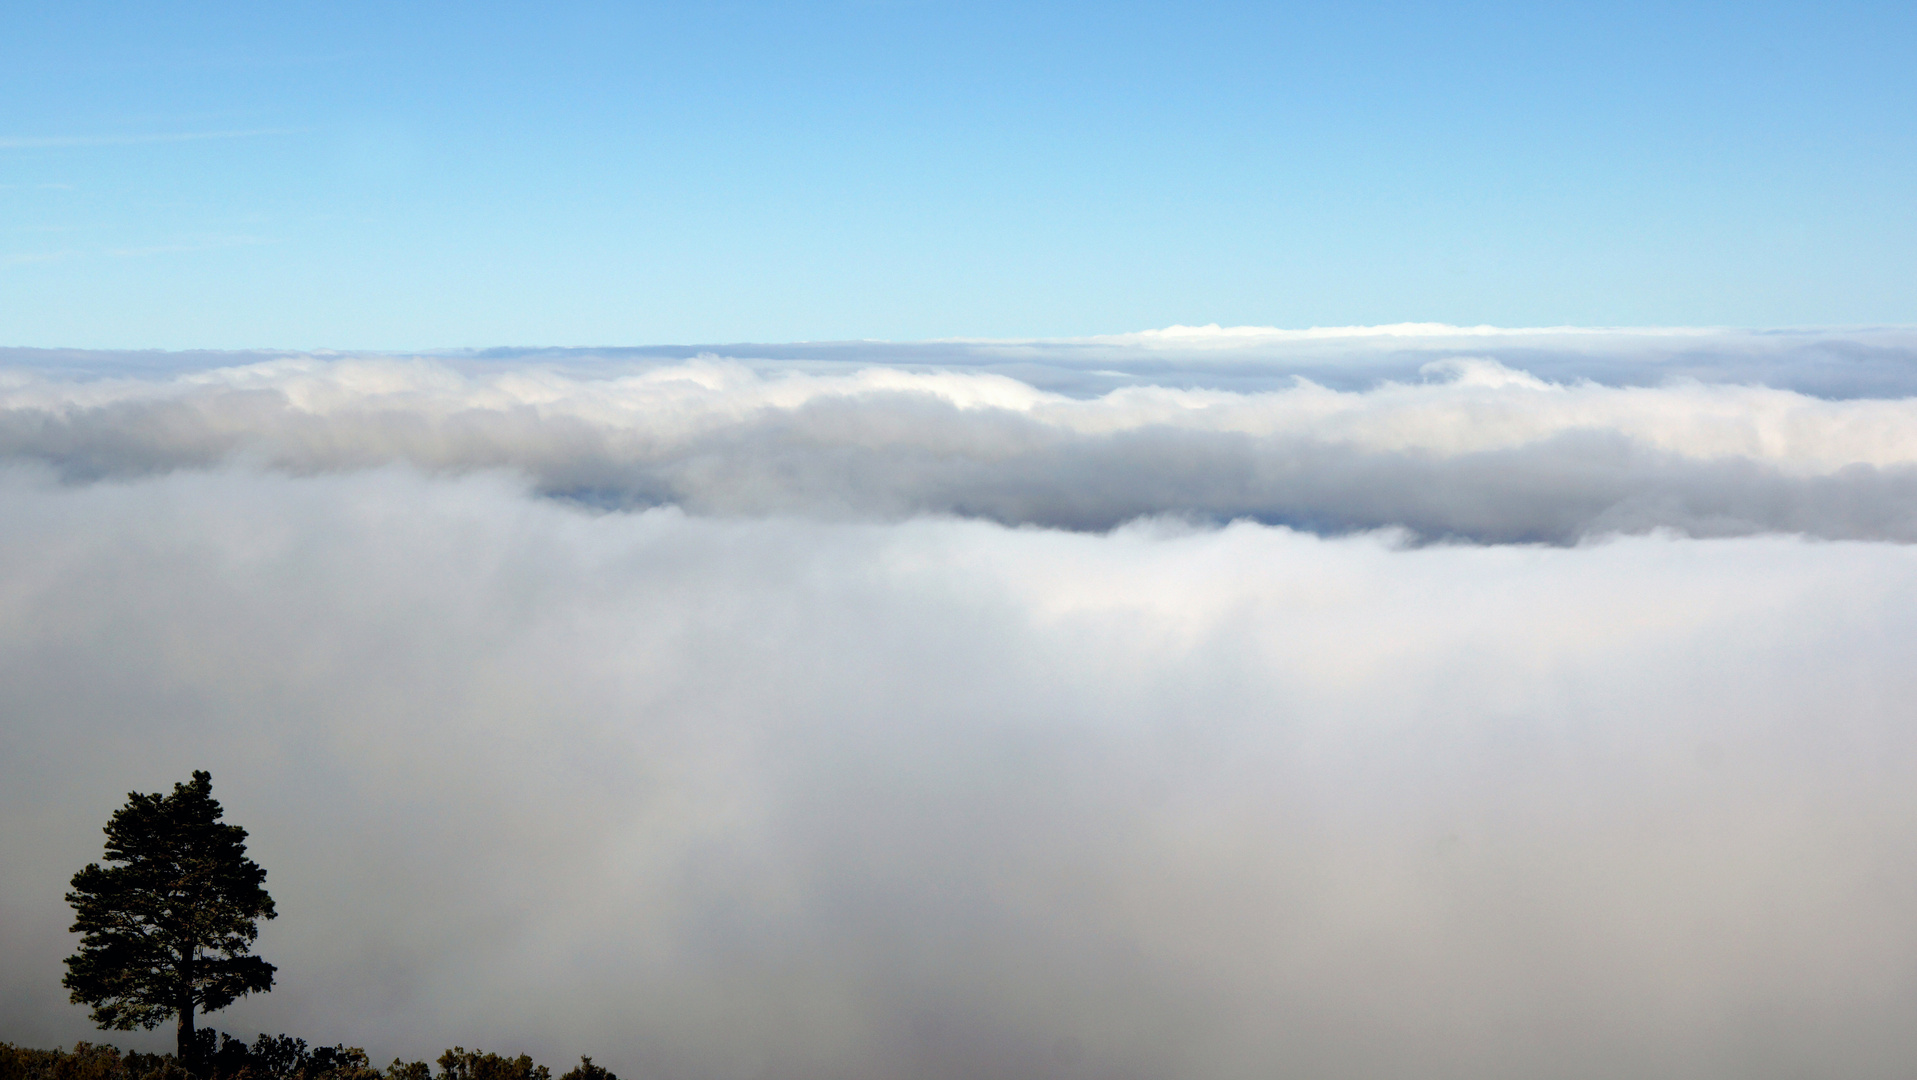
425	175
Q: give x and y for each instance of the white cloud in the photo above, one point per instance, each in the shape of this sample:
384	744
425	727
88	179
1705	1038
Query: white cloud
1238	337
1470	448
826	760
709	797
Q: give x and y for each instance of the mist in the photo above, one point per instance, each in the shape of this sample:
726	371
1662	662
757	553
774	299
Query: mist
728	718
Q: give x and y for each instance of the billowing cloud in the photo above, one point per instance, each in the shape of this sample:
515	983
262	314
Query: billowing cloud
1467	448
741	797
740	718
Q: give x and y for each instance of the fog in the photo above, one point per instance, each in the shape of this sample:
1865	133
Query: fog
727	718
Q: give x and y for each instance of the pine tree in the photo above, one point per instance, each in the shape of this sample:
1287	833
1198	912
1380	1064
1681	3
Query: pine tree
168	930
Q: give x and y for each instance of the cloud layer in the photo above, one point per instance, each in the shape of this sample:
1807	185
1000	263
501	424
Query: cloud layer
750	797
746	717
1464	448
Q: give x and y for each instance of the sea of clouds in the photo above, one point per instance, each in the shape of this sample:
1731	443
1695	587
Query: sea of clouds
1200	703
1441	434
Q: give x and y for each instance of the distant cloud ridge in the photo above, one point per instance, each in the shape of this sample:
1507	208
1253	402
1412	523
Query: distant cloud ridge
1463	447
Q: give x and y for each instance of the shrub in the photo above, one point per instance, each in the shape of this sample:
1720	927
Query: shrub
461	1064
270	1057
586	1070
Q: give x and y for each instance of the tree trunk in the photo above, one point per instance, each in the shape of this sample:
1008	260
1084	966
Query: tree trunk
186	1044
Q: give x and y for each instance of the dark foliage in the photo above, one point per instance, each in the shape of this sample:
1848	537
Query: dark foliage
462	1064
86	1062
169	928
282	1057
586	1070
271	1057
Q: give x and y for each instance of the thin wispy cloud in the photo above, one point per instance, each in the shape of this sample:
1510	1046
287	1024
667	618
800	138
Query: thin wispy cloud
1852	362
184	247
45	142
28	258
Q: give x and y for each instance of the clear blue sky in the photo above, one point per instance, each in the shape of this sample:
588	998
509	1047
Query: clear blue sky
400	175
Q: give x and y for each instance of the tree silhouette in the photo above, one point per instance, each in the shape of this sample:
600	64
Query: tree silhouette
168	930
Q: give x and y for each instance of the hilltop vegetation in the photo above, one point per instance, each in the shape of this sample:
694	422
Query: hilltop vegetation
168	929
271	1057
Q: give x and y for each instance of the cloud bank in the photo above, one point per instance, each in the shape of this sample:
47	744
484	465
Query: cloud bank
1464	447
739	718
710	797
